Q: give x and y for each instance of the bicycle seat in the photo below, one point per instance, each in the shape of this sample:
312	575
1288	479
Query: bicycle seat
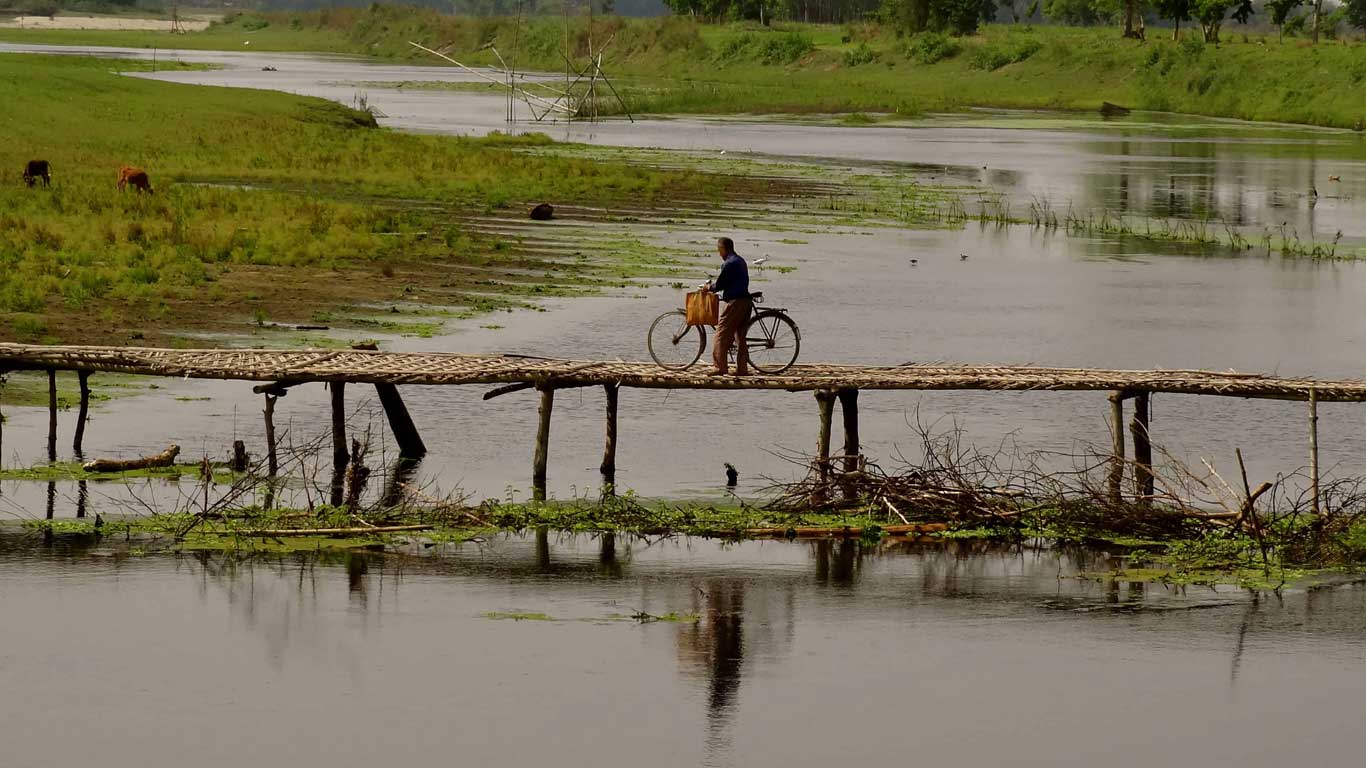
756	296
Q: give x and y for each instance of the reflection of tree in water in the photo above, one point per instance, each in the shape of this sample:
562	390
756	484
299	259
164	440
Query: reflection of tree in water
714	646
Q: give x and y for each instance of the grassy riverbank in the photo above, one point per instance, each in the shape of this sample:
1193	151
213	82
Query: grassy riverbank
677	66
270	208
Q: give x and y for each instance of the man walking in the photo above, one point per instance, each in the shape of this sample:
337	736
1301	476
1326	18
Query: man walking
733	286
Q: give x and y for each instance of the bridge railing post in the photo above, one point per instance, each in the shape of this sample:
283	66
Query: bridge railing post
1117	458
1143	449
849	409
608	467
825	401
538	467
51	414
1314	451
340	455
79	438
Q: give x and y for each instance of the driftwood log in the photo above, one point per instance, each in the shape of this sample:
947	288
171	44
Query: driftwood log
852	530
279	533
164	459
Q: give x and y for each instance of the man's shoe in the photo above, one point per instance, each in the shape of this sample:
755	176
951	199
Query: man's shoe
715	372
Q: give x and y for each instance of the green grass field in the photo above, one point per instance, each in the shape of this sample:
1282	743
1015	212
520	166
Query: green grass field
267	206
674	65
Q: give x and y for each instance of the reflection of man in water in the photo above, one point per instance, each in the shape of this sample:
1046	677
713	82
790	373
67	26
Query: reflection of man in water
715	645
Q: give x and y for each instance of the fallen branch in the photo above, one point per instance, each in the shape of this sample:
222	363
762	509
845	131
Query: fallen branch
276	533
164	459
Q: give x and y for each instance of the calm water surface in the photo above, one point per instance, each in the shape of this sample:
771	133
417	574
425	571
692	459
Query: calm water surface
802	654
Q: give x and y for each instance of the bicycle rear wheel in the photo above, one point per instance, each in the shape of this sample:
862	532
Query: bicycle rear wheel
673	343
774	341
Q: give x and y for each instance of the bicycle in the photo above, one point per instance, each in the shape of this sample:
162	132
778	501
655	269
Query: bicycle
774	339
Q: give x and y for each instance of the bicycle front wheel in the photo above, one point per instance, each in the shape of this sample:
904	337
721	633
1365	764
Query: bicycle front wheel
773	340
673	343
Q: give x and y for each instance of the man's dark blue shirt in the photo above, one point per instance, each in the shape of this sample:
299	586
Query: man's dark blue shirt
733	282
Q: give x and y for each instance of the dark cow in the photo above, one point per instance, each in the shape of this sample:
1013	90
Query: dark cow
136	177
543	212
37	169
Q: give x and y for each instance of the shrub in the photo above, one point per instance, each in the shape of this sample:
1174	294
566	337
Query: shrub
860	55
992	57
785	47
931	47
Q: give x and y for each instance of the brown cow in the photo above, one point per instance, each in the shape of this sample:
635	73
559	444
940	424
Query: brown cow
136	177
37	169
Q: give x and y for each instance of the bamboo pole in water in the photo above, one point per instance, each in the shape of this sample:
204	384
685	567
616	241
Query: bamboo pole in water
79	438
272	456
538	468
1117	465
340	456
849	409
1314	451
609	450
1143	449
410	445
51	414
825	400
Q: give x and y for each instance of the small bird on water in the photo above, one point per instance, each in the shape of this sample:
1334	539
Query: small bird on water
732	476
962	257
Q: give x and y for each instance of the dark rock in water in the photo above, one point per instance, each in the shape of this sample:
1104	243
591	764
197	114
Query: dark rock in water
1113	110
543	212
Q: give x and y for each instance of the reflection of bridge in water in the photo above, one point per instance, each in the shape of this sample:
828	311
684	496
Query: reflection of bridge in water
759	606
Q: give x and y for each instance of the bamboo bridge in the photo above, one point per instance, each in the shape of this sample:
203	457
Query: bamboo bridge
281	369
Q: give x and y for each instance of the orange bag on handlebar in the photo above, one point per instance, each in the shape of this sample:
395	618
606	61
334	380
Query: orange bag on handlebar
703	308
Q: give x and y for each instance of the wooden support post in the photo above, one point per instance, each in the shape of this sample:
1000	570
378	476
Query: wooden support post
542	442
1143	449
609	451
272	456
849	409
340	457
410	445
1314	451
1117	460
83	413
51	415
825	401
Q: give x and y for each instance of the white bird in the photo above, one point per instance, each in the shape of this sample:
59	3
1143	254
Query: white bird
760	261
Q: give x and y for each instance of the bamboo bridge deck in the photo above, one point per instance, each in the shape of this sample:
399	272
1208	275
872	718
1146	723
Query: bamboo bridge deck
292	366
282	369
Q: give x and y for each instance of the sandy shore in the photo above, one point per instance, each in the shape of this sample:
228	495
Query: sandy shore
187	23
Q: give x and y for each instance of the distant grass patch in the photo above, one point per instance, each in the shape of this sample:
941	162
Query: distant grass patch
267	207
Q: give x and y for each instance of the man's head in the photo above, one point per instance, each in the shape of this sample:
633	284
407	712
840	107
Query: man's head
725	246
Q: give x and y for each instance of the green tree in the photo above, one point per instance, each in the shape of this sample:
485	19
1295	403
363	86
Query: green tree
1072	11
1175	10
961	17
1280	13
1356	12
1211	15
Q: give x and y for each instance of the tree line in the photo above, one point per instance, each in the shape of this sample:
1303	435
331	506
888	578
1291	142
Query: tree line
964	16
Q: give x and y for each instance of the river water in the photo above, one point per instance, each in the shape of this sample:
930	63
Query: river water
801	654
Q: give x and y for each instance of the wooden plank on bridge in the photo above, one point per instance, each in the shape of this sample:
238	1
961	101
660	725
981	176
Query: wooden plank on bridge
373	367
